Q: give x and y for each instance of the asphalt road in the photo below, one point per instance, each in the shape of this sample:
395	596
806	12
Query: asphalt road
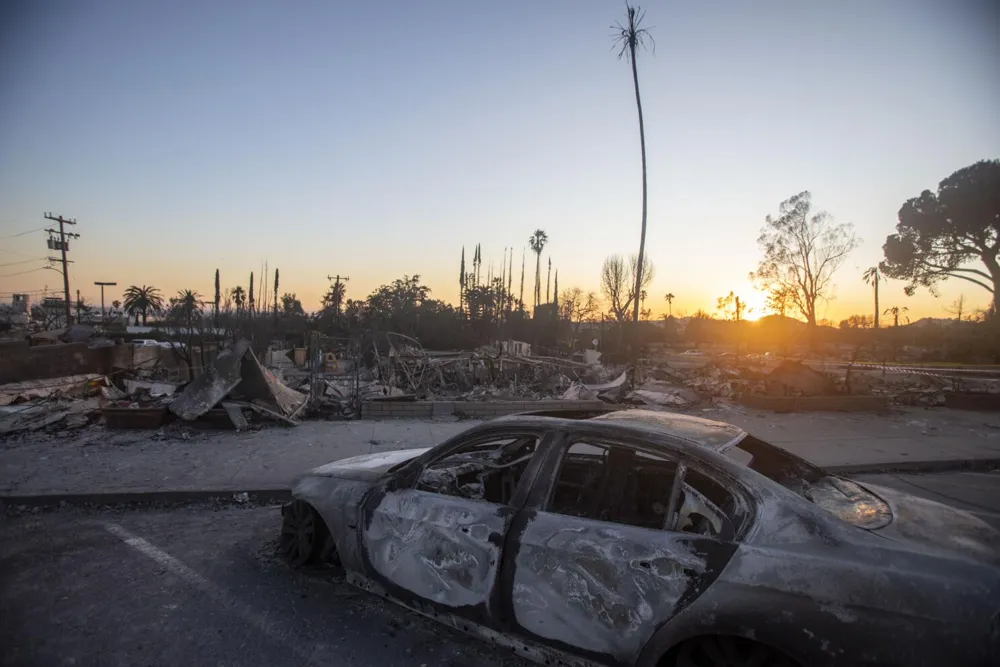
198	586
202	586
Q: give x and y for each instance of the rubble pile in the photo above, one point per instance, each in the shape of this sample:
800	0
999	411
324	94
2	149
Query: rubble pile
917	390
677	387
225	394
64	403
334	379
482	374
237	381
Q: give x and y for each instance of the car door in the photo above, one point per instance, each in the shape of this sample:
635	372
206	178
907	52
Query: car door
613	544
437	537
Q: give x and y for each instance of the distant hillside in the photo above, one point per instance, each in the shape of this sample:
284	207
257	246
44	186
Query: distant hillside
926	322
780	320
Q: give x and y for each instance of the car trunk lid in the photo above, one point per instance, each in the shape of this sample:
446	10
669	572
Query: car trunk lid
927	523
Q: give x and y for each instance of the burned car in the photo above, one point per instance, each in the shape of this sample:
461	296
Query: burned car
649	538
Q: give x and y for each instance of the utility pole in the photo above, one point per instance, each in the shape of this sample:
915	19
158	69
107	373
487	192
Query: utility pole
337	278
103	284
63	246
336	281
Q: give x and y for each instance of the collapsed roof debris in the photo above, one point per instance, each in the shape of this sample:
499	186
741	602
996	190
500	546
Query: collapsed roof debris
239	376
66	402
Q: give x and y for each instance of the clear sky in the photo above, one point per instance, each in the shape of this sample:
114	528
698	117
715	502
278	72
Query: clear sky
373	139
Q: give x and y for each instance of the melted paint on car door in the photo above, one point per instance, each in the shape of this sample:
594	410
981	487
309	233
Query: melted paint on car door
440	548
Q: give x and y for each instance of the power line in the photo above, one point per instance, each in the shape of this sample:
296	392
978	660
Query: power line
23	261
21	273
29	292
30	231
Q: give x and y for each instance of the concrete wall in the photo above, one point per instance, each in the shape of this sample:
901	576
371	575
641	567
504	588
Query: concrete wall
837	403
979	401
19	361
484	409
163	362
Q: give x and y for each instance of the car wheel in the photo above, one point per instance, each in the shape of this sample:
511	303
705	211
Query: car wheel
720	651
304	537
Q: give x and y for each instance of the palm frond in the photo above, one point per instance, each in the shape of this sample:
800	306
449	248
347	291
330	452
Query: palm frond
630	36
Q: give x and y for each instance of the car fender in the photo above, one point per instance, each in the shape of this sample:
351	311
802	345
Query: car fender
338	502
714	615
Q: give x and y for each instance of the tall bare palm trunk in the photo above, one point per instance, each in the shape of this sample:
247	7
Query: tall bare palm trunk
538	278
642	145
877	311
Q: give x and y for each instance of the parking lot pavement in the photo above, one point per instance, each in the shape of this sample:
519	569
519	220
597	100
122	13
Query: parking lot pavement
200	585
195	586
975	492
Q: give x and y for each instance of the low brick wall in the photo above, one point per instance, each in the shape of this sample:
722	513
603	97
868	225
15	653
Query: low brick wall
480	409
20	362
816	403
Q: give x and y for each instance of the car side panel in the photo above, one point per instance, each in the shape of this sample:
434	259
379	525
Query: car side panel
602	589
440	548
869	606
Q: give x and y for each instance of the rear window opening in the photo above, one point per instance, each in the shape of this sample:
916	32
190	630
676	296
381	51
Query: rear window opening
621	485
846	500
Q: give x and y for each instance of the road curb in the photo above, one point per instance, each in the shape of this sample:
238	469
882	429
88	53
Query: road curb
975	465
225	496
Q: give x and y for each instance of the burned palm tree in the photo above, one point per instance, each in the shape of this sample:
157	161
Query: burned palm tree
537	243
217	300
872	276
630	37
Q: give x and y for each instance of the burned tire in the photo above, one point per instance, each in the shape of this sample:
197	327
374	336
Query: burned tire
722	651
305	539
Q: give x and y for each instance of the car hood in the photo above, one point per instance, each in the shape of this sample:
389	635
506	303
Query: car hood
925	523
367	467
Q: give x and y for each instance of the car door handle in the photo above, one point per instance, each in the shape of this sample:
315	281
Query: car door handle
495	539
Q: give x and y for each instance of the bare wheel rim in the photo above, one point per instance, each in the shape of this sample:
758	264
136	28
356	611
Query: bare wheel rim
298	533
728	652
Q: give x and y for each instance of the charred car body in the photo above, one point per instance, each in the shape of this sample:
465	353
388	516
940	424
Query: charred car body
650	538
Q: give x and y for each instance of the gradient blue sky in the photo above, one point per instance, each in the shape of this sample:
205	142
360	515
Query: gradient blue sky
374	139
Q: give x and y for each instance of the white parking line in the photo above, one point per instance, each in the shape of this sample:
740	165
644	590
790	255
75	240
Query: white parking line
216	593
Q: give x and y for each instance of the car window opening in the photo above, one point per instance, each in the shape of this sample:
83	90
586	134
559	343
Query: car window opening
488	471
621	485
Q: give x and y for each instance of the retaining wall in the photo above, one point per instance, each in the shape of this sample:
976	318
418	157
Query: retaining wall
481	409
963	401
844	403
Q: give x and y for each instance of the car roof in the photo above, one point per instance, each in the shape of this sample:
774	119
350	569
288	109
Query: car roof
709	433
